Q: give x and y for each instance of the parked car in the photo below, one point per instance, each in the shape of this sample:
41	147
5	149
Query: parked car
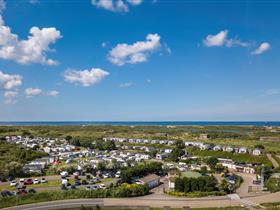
88	187
102	186
22	180
64	173
94	187
13	183
91	181
21	192
43	180
6	193
77	183
63	187
73	187
28	181
84	182
31	191
36	181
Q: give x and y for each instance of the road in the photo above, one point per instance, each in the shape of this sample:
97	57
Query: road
174	202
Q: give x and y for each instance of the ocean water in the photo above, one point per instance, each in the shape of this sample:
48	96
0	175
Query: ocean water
146	123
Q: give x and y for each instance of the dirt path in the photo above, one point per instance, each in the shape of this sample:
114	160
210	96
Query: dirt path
273	161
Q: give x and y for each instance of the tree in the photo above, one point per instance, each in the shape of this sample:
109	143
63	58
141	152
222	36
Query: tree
212	161
180	144
176	153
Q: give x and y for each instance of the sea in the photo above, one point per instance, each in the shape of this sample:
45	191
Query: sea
142	123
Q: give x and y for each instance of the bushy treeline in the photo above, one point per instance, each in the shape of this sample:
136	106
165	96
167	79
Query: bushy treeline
12	158
200	184
124	190
99	144
140	170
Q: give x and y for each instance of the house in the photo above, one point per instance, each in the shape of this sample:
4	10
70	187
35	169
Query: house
203	136
33	168
162	156
152	180
247	169
168	150
229	163
217	148
242	150
205	147
257	152
229	149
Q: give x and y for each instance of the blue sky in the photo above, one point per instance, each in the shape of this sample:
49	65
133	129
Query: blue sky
139	60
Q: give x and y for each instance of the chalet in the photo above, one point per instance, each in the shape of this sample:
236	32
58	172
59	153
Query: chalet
162	156
256	152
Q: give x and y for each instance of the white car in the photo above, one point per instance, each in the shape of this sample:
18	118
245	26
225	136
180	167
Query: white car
21	180
13	183
43	180
64	173
102	186
36	181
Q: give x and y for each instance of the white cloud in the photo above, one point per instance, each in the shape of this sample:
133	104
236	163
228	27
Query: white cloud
115	5
149	81
9	81
85	77
221	39
52	93
262	48
30	92
218	39
126	85
135	2
111	5
32	50
134	53
10	97
2	5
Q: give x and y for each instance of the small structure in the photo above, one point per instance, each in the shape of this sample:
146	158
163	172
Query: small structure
256	152
152	180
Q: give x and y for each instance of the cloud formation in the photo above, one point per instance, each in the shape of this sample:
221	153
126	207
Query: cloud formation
2	5
9	81
135	53
126	85
265	46
30	92
52	93
85	77
31	50
115	5
221	39
10	97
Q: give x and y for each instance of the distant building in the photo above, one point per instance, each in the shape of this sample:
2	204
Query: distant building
152	180
270	138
